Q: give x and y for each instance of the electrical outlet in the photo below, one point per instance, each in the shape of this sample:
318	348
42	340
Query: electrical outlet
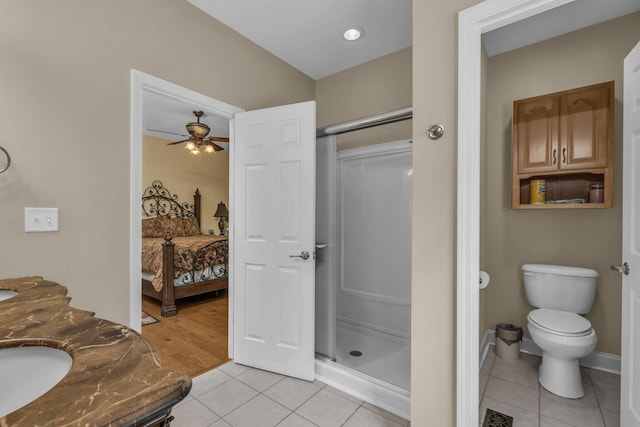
40	220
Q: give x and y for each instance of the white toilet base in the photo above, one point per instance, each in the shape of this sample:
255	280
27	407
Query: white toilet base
561	376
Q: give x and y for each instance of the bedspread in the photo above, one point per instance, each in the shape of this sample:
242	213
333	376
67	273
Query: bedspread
184	251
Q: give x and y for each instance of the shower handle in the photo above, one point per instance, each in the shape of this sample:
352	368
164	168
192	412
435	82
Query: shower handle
303	255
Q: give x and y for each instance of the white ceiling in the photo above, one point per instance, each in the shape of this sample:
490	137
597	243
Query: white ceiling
561	20
165	117
307	35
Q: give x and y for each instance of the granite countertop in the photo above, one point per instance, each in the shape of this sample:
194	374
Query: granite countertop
116	378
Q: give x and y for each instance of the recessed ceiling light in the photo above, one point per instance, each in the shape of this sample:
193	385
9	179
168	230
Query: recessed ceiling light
353	33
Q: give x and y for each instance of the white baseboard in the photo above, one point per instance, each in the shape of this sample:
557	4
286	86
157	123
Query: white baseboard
596	360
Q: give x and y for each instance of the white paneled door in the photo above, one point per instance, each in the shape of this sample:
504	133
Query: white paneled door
630	378
274	266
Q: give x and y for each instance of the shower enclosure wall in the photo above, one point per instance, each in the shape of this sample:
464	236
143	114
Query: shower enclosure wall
363	268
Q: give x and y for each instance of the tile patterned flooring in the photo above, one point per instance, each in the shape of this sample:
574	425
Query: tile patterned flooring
511	387
236	395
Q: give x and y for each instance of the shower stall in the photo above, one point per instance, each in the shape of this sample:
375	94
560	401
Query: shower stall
363	270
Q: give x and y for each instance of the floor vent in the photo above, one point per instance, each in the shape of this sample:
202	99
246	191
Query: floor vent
496	419
355	353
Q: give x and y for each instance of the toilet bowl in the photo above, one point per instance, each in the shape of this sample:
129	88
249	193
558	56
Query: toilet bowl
561	294
564	338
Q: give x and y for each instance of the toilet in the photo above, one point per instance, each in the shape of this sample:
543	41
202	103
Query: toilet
561	295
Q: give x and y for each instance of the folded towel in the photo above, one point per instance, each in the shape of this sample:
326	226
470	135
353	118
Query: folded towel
564	202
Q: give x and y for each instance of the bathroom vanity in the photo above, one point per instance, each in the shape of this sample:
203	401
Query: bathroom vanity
113	377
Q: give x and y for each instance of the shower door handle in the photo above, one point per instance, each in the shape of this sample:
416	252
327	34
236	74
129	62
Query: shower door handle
322	245
303	255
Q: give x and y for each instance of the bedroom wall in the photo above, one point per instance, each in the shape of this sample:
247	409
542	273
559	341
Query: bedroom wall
375	87
182	173
583	237
65	83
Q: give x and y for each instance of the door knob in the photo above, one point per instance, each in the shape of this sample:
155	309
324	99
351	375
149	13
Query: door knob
623	269
303	255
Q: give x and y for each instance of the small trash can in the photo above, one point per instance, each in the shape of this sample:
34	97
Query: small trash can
508	339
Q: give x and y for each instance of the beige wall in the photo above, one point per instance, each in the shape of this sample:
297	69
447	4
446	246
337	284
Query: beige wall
65	84
375	87
584	237
433	324
182	173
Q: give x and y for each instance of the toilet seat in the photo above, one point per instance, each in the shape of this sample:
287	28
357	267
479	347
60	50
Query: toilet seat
560	322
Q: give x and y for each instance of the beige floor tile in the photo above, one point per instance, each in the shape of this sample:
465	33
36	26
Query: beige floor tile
258	379
589	393
227	397
482	382
193	414
521	417
343	395
363	417
295	420
514	394
208	381
611	418
607	389
523	371
396	419
488	360
189	398
550	422
605	379
327	409
571	411
292	392
234	369
220	423
258	412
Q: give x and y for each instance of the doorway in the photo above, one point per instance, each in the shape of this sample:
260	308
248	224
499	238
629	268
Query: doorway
485	17
145	87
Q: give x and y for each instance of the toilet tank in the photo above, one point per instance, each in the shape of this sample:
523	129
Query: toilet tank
560	287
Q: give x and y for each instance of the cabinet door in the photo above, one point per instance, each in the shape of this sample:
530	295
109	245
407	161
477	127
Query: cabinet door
535	134
584	127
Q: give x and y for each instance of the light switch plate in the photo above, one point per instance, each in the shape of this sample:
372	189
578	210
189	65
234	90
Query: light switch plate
40	220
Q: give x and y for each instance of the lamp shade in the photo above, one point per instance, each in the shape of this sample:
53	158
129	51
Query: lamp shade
221	211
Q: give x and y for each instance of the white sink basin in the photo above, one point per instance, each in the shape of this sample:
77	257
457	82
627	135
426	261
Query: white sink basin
7	294
29	372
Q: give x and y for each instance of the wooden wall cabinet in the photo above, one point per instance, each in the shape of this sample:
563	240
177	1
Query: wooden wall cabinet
565	138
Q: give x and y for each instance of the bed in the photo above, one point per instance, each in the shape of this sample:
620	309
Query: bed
178	261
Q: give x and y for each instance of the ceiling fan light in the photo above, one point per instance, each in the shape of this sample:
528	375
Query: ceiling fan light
195	152
209	149
190	146
199	130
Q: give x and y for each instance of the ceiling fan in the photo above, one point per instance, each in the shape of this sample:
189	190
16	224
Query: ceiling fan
198	141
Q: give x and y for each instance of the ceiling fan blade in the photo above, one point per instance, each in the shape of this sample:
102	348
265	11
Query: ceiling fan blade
177	142
219	146
218	139
164	131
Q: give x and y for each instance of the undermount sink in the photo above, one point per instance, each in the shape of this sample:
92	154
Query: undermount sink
29	372
7	294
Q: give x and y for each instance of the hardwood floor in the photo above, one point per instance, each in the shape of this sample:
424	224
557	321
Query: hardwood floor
193	341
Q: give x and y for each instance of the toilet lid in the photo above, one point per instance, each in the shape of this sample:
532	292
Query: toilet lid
560	321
